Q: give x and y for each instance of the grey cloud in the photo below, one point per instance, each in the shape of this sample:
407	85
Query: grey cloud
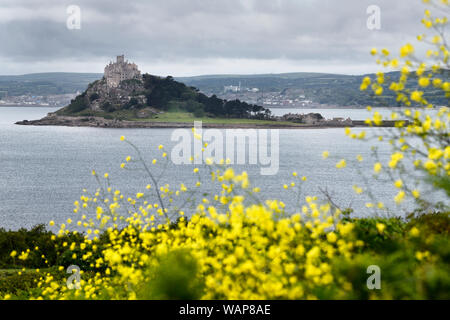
161	31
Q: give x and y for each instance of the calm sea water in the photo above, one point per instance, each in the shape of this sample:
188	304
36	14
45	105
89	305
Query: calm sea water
43	170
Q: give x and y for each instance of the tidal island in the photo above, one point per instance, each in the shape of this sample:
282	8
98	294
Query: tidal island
125	98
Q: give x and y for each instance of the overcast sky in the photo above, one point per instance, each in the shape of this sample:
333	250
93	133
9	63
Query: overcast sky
194	37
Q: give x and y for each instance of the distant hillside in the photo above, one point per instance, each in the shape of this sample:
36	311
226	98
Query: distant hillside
43	84
321	88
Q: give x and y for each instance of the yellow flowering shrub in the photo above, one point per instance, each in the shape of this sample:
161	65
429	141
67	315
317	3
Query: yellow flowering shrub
420	140
231	245
243	250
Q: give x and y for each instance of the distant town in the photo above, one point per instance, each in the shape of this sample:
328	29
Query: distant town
271	99
56	100
288	97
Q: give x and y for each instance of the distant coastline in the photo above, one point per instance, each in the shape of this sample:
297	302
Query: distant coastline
29	106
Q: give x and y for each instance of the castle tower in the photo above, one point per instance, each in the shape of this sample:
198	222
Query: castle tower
120	71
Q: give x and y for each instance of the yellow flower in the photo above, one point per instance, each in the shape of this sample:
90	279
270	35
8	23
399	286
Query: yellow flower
398	184
379	91
431	166
414	232
437	82
377	118
341	164
395	158
424	82
380	227
406	50
377	167
365	83
325	154
416	96
122	138
399	197
331	237
228	174
357	189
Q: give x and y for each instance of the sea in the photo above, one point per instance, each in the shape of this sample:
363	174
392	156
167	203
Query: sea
44	169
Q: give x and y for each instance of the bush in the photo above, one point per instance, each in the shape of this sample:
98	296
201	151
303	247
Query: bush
199	113
37	242
176	277
76	105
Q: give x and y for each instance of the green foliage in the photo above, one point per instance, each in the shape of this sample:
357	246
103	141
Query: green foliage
13	283
432	223
441	182
168	94
387	241
176	278
413	266
76	105
38	237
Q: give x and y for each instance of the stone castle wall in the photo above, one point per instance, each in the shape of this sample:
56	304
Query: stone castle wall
119	71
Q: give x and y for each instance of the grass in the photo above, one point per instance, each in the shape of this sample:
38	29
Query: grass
4	273
180	116
189	117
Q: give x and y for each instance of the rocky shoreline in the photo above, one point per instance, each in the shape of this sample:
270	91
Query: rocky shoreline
99	122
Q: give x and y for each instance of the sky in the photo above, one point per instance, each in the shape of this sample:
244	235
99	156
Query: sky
197	37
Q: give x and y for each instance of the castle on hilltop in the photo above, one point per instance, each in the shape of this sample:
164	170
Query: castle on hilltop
115	72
